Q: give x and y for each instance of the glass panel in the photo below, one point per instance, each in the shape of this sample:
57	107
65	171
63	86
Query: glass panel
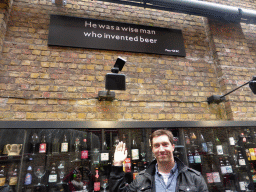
224	156
11	147
81	159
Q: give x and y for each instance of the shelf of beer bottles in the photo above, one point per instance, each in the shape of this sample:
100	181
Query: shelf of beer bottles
10	158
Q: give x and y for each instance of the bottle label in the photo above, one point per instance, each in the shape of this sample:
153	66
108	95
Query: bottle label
104	156
96	186
127	165
231	141
42	148
252	154
223	169
2	181
191	159
13	180
135	154
197	159
229	169
187	141
28	179
204	147
219	149
216	177
254	178
209	177
242	185
52	178
241	162
84	154
64	147
134	175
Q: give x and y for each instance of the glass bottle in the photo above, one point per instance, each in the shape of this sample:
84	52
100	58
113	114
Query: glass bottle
143	152
209	147
244	181
55	145
242	137
241	160
222	166
219	147
232	140
28	177
248	154
53	174
215	173
104	156
84	148
248	136
96	185
193	138
254	137
187	140
203	143
77	149
14	176
2	176
190	156
252	154
43	145
61	172
227	184
252	169
228	167
96	156
135	170
209	176
233	186
253	172
235	157
127	163
64	145
85	178
34	142
197	157
135	150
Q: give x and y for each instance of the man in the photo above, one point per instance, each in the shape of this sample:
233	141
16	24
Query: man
166	173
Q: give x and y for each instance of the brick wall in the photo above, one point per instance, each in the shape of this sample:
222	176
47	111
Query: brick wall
38	82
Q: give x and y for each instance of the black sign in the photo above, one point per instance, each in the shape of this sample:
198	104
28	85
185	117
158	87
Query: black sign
97	34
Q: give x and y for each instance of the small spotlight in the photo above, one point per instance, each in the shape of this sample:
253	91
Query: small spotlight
220	98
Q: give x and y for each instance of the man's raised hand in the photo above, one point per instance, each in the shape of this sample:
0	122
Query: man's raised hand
120	154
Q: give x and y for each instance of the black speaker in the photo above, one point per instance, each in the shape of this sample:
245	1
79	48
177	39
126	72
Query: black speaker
115	81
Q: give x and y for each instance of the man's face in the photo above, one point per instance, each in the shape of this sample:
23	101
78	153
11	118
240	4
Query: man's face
162	149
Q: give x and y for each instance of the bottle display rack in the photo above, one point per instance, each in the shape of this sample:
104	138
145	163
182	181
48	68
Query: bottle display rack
81	159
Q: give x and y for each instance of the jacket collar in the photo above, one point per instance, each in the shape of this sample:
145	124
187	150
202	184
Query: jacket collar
152	166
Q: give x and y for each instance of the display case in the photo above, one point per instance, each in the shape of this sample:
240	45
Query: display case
224	156
72	159
80	159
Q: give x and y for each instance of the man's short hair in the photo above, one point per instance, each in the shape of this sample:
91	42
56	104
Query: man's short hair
161	132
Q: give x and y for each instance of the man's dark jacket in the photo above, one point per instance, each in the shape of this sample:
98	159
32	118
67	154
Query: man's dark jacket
188	180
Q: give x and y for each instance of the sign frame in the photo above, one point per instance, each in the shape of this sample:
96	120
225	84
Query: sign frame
89	33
